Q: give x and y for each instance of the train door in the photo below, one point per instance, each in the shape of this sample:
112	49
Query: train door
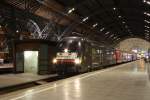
87	56
101	56
95	56
105	60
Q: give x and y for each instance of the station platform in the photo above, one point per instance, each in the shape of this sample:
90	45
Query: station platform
9	80
6	66
123	82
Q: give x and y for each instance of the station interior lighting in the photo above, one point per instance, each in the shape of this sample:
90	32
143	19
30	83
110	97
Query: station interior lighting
147	27
118	39
85	19
135	50
71	10
111	35
147	21
147	36
107	33
119	16
115	37
95	24
146	31
114	8
102	29
145	13
146	1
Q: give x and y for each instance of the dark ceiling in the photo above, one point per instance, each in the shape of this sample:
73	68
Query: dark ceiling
114	19
119	18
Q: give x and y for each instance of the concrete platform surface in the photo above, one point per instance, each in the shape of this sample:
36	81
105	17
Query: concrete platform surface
7	80
123	82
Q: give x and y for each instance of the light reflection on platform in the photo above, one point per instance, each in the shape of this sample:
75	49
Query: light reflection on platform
124	82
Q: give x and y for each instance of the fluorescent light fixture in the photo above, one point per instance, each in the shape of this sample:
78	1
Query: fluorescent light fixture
111	35
102	29
147	34
119	16
146	26
146	1
146	31
114	8
115	37
107	33
118	39
85	19
147	21
71	10
95	24
146	13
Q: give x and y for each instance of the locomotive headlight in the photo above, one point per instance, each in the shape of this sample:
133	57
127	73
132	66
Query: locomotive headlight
54	61
147	57
77	61
66	50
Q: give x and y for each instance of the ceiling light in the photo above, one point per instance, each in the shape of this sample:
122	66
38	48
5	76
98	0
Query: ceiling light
119	16
102	29
114	8
146	31
85	19
123	22
95	24
147	2
118	39
107	33
147	27
147	21
115	37
112	35
71	10
148	14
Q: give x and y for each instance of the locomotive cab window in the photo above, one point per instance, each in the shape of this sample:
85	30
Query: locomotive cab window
72	46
